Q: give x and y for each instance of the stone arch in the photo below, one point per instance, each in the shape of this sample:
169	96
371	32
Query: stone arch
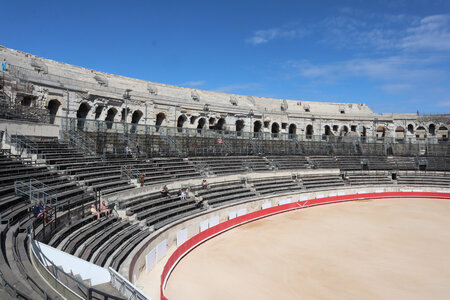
201	124
344	130
275	129
110	115
399	132
180	122
82	112
411	128
192	119
239	126
53	107
442	132
421	132
257	125
432	129
98	111
212	123
328	130
381	131
160	118
292	129
220	125
363	131
309	131
135	118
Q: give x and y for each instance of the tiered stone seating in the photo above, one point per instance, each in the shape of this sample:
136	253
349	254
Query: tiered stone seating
369	178
158	210
438	163
403	163
223	165
218	194
378	163
319	181
423	179
274	185
177	167
349	163
323	162
289	162
256	163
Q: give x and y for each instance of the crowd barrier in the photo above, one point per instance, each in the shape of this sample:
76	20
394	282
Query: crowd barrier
203	236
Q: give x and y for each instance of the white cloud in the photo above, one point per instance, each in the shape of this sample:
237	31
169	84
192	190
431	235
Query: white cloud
432	33
264	36
238	87
193	83
393	68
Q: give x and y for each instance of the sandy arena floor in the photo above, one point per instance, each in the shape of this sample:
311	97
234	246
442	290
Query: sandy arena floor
377	249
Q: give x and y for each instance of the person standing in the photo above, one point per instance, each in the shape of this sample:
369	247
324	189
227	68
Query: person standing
142	179
4	65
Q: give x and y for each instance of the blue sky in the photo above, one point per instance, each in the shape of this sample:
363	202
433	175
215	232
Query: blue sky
391	55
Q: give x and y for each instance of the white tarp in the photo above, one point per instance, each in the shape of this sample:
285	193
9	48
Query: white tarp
266	205
213	221
150	260
204	225
181	237
241	212
232	215
161	250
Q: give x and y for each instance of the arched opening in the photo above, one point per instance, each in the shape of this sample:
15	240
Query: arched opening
53	106
82	112
292	130
400	132
212	123
442	133
275	129
381	132
110	117
343	131
135	118
98	111
256	128
159	120
432	129
180	122
239	127
421	133
328	130
363	131
411	128
309	131
220	124
201	125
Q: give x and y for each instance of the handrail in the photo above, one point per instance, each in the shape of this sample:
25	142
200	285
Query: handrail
125	287
86	290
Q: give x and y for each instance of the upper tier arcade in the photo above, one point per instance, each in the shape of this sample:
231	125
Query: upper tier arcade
67	90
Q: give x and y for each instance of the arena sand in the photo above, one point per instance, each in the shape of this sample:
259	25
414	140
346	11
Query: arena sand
376	249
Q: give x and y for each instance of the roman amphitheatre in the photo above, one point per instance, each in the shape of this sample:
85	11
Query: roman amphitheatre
266	198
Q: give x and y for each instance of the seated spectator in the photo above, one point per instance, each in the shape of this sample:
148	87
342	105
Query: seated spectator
165	191
94	211
36	210
183	195
104	209
204	184
142	179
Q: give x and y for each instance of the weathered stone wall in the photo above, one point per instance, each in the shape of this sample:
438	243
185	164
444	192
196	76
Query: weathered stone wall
103	97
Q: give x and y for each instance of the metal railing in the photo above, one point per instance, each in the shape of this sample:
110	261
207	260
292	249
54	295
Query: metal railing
57	273
125	287
129	172
35	190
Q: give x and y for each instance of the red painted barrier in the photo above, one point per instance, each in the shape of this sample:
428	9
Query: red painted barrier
222	227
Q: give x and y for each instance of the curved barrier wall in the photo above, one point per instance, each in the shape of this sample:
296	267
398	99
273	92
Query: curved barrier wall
203	236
